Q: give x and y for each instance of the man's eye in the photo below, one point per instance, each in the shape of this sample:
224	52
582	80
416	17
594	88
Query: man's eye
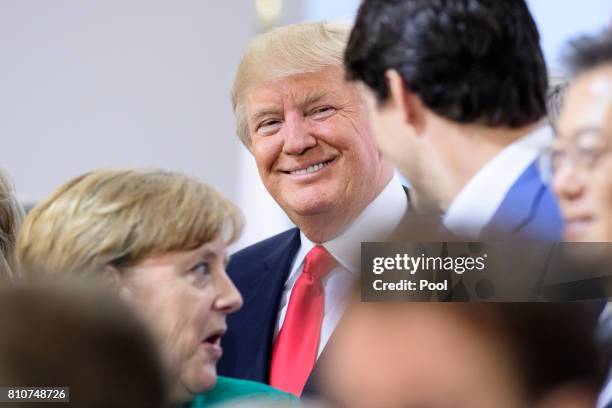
269	127
557	156
322	112
587	156
200	268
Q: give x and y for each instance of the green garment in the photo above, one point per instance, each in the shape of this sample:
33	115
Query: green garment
234	390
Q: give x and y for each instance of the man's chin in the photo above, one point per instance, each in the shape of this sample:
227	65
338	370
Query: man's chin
309	209
310	204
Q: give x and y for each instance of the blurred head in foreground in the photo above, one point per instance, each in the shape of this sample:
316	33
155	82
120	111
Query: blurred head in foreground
447	355
160	239
82	338
11	215
307	128
580	158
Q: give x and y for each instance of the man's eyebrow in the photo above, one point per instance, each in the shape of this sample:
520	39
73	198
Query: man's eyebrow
577	133
308	100
313	98
265	111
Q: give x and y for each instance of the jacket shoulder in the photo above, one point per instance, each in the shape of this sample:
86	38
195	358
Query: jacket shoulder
258	249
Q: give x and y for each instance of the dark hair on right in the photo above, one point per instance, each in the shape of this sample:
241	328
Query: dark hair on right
588	52
468	60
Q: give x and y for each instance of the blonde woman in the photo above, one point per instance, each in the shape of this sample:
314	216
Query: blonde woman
160	239
11	215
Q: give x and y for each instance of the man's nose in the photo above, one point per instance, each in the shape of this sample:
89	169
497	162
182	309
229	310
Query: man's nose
567	182
298	137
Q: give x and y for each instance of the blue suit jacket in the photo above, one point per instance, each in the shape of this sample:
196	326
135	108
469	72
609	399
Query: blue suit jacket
529	211
259	272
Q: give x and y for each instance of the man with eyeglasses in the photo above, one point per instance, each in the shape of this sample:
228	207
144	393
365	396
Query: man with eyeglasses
580	157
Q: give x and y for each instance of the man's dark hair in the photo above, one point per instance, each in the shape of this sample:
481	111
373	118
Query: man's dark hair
468	60
589	52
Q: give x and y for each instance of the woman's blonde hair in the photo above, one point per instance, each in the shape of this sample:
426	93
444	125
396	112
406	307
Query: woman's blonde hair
119	218
11	216
289	50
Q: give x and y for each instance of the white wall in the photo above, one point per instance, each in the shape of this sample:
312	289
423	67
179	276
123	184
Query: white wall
87	84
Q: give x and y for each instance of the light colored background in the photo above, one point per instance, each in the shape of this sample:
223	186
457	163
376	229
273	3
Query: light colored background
95	83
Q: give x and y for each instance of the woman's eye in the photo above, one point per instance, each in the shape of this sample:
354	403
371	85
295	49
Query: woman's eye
322	112
200	268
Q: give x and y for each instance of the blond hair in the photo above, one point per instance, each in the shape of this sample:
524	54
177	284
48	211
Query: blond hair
11	216
289	50
119	218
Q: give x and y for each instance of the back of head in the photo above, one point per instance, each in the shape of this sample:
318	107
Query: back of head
468	60
288	50
120	217
80	338
11	216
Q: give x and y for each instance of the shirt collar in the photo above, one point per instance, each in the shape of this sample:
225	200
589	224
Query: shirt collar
376	223
476	203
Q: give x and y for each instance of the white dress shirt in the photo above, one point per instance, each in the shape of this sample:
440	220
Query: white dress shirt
477	202
376	223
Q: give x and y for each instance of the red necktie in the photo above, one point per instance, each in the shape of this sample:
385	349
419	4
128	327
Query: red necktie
295	350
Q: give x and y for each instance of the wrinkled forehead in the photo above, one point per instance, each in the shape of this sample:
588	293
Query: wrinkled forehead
300	90
588	105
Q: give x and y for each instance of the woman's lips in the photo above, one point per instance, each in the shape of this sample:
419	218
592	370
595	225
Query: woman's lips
212	345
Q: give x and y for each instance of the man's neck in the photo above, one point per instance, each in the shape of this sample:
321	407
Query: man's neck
464	150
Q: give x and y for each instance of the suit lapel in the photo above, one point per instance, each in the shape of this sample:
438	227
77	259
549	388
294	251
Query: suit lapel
262	304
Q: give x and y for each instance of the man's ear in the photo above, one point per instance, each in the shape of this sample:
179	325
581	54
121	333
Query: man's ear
408	102
116	279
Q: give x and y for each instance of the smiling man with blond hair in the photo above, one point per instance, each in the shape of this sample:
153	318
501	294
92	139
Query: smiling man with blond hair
308	131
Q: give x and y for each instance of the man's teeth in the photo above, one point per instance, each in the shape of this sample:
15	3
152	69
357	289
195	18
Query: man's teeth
311	169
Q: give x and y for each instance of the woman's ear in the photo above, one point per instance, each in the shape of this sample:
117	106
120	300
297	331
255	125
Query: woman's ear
406	101
116	280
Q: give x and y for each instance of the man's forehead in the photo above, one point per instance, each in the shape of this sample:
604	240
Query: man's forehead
296	88
588	104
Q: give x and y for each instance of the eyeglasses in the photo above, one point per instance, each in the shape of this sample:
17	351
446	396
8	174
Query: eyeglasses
583	153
